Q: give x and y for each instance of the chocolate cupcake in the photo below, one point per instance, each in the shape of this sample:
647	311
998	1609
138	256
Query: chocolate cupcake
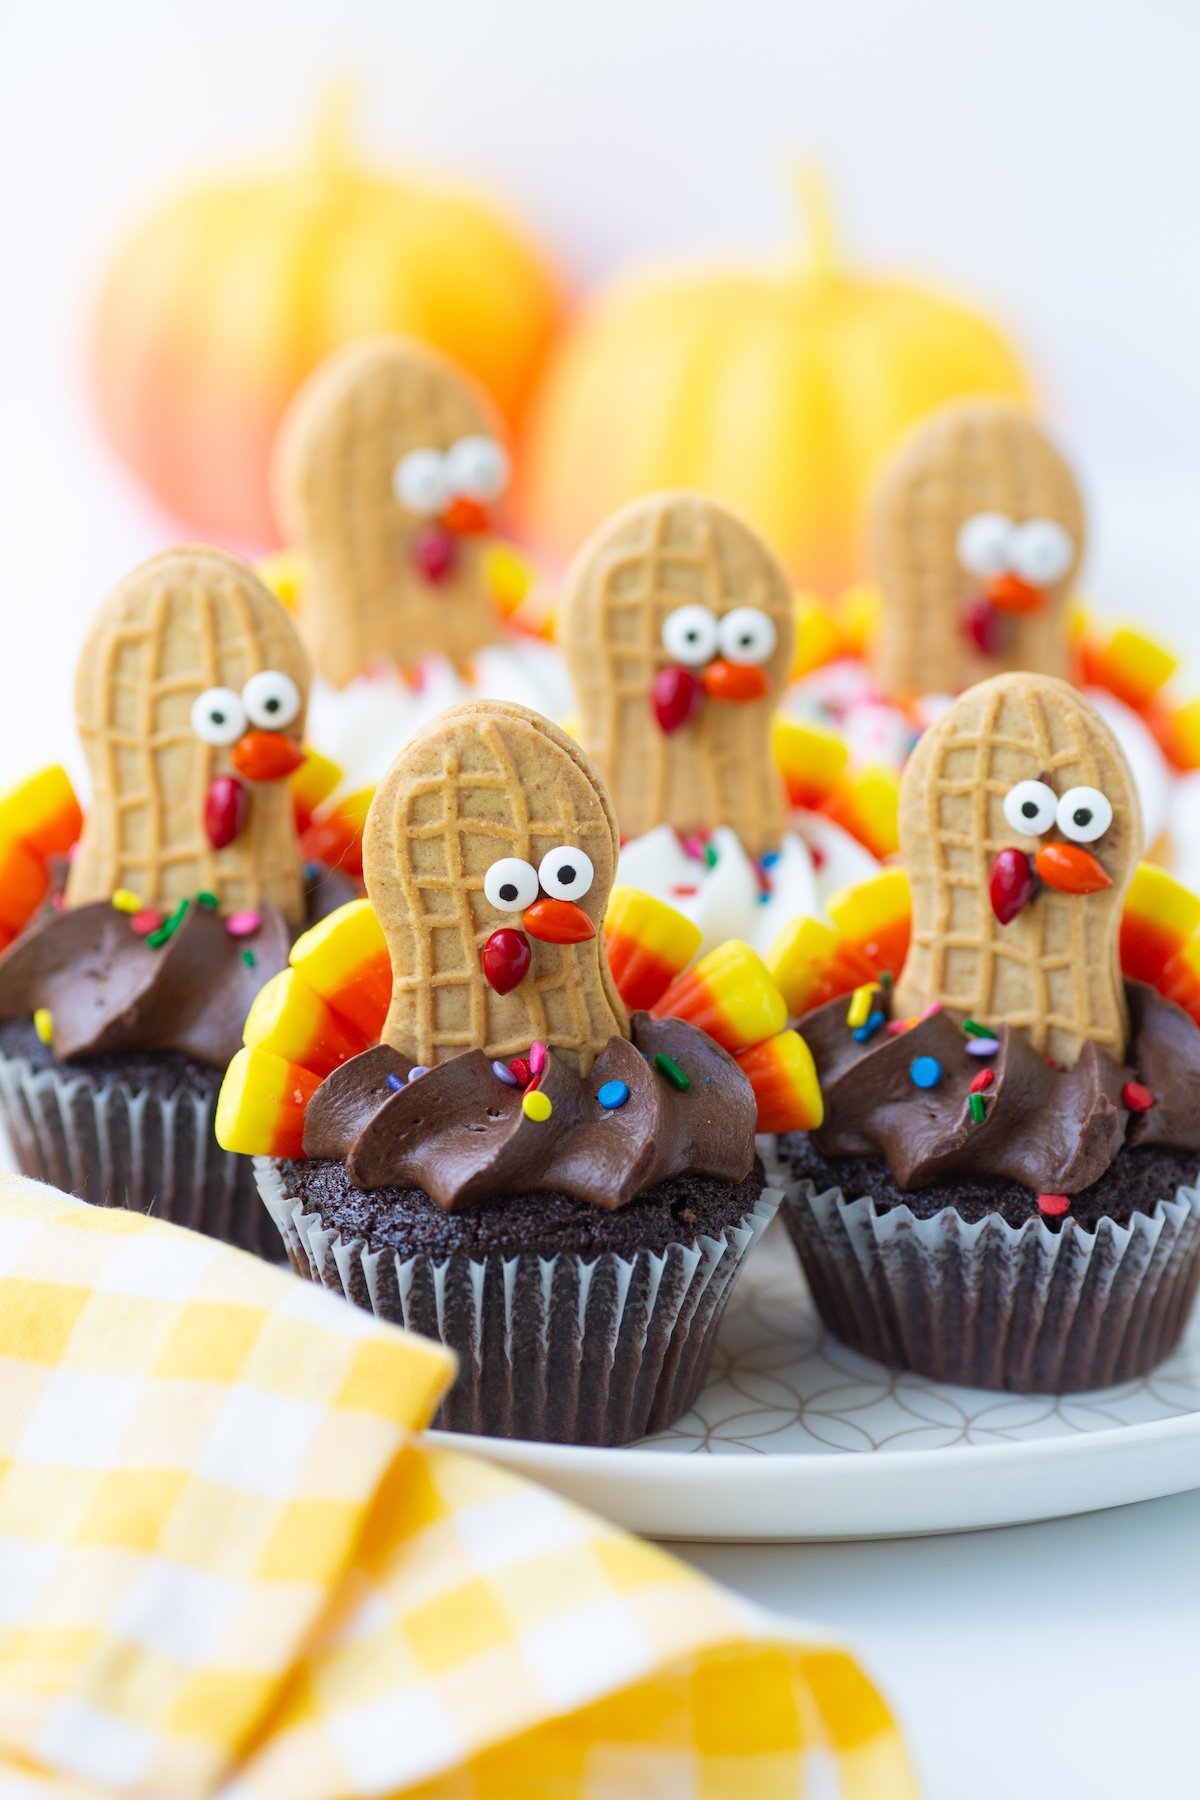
123	1000
562	1196
1003	1191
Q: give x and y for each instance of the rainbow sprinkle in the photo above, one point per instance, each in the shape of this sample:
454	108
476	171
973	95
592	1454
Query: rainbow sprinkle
666	1065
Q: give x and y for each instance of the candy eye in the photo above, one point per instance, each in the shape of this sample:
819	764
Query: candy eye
272	700
689	634
566	873
477	468
511	885
747	635
985	543
1084	814
218	716
1042	551
1031	807
420	482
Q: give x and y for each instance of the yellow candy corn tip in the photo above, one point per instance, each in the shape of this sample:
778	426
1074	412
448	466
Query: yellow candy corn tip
43	1024
536	1106
650	922
1158	897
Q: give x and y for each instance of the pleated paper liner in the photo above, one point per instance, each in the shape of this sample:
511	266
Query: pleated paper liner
561	1349
94	1137
992	1305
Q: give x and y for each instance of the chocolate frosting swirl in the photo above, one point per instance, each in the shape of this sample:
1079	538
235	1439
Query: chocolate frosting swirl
1054	1129
459	1132
109	993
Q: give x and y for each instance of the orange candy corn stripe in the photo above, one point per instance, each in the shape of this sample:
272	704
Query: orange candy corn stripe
648	945
344	959
730	995
291	1020
784	1078
39	818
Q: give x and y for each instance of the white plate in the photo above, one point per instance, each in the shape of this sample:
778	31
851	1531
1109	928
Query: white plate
796	1437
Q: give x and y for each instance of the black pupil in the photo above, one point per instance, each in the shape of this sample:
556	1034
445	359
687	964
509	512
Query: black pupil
566	874
1082	815
271	705
692	636
1029	809
218	718
746	640
508	891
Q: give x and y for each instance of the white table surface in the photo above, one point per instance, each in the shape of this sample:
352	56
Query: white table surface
1052	1661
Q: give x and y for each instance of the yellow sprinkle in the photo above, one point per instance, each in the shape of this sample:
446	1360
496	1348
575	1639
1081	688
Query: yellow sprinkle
860	1005
43	1024
125	900
536	1106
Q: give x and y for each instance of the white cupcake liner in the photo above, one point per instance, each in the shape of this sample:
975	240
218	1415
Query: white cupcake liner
993	1305
94	1137
559	1348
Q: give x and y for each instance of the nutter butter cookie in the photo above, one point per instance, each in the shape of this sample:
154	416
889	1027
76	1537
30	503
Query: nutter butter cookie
1011	1144
514	1163
122	1000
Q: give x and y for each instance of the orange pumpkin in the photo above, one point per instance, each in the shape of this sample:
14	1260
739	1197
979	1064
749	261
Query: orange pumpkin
776	390
223	302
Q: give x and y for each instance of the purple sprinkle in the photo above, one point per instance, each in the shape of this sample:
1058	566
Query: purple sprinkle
395	1082
503	1073
983	1046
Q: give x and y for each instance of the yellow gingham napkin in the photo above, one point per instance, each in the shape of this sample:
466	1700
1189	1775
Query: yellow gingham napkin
229	1568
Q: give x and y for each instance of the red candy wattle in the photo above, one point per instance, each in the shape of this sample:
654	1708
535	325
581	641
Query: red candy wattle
986	628
1010	885
225	808
435	554
506	957
674	696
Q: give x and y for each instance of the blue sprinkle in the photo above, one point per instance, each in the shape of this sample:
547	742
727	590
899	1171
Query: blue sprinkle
866	1031
395	1082
612	1095
770	859
503	1073
926	1071
763	897
312	871
417	1069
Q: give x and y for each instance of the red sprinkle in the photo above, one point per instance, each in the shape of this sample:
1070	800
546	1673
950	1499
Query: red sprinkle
982	1081
684	893
1136	1097
520	1068
1054	1205
143	923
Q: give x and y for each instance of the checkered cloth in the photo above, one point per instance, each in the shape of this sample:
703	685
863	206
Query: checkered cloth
229	1567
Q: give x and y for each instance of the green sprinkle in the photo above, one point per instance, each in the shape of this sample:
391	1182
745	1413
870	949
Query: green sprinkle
975	1102
710	856
885	981
169	927
974	1029
208	899
249	958
667	1066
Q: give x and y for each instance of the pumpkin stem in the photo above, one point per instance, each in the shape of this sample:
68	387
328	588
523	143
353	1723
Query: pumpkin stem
816	210
331	143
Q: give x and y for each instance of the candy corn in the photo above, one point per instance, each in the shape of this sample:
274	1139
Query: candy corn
344	959
817	638
313	782
42	813
292	1021
1181	735
283	573
24	882
334	836
648	943
810	759
857	614
730	994
1159	918
1180	979
810	965
866	803
784	1078
260	1109
873	919
1129	664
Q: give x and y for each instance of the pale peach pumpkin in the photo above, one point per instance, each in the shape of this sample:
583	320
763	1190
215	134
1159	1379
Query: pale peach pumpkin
776	390
223	302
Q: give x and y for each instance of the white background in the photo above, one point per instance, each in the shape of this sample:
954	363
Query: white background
1041	157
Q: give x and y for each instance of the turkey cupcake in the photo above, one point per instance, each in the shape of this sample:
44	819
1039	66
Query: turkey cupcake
1002	1191
560	1192
122	999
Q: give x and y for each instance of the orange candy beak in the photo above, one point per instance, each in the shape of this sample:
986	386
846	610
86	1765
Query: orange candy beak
1070	869
466	518
1010	594
266	756
558	922
723	680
